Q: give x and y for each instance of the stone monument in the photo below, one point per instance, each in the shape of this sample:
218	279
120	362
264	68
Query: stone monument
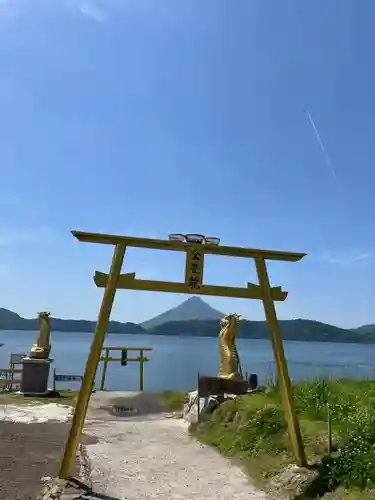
36	366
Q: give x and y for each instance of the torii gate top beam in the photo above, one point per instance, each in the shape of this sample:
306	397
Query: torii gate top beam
111	239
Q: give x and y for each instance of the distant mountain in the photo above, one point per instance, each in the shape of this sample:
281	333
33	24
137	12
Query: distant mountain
191	309
12	321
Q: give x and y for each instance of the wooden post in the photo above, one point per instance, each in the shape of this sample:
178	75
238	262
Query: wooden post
282	369
69	458
105	363
141	368
198	399
11	378
329	426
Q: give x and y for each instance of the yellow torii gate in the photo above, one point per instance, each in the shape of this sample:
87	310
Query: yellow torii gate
195	247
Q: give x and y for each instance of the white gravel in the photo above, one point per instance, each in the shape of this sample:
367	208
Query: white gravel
153	457
31	414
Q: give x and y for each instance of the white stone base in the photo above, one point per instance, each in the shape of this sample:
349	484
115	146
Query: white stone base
27	359
190	411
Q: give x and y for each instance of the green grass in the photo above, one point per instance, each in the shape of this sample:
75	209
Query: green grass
172	400
67	397
252	429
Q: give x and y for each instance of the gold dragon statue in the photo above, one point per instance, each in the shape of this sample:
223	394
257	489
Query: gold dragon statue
42	348
230	367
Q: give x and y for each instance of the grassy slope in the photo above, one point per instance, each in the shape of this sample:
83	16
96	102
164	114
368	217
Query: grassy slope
173	400
253	430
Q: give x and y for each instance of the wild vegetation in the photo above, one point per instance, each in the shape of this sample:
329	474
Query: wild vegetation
173	400
253	430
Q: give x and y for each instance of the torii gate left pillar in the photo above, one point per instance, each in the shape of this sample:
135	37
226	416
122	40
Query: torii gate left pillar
87	385
193	285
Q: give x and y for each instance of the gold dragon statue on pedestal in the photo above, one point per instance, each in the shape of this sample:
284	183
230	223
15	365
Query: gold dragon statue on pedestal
230	366
42	348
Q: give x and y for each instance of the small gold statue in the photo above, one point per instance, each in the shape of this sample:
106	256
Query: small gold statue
42	348
230	367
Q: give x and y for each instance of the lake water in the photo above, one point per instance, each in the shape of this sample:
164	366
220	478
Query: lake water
175	361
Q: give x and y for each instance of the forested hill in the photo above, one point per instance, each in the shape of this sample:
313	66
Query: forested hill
297	329
13	321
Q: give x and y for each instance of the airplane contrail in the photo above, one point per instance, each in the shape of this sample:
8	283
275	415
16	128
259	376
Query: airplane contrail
322	147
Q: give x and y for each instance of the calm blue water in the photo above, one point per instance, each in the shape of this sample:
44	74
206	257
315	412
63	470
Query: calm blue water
175	361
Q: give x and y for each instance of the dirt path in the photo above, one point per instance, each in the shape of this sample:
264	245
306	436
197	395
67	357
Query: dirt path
149	456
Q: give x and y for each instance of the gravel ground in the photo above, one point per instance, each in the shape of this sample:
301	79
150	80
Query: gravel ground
32	441
29	452
149	457
35	413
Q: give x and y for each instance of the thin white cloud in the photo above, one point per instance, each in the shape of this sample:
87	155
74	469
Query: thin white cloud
92	11
318	137
89	9
347	259
7	8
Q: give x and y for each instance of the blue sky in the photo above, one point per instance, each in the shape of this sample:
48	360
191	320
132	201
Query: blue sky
144	118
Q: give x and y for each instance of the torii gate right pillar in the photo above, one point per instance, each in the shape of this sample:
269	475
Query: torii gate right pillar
281	365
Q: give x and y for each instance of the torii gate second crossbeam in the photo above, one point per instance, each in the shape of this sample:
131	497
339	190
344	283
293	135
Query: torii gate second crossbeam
194	284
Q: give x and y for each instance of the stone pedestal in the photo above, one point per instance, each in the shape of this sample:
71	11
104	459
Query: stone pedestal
35	375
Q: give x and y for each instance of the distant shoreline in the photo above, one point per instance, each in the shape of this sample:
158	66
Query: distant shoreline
185	334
